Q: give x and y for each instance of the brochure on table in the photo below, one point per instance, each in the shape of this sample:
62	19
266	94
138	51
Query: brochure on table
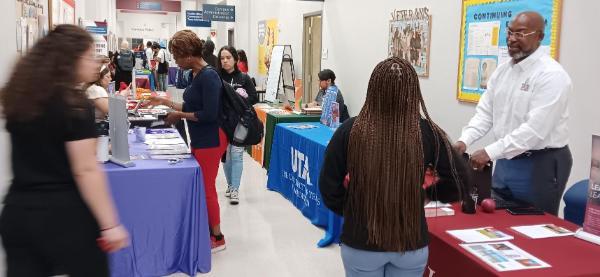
504	256
591	223
542	231
483	234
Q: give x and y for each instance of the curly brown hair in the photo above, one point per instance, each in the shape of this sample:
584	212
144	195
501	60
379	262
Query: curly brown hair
186	43
47	74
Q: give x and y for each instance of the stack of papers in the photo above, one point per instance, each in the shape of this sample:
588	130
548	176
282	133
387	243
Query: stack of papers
543	231
504	256
480	235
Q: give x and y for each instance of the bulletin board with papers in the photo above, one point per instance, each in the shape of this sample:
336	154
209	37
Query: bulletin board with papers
483	39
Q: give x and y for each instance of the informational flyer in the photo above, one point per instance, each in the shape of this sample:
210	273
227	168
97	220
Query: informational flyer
329	98
541	231
480	235
504	256
483	38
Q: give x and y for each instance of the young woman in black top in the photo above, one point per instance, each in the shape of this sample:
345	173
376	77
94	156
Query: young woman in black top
384	152
58	204
241	82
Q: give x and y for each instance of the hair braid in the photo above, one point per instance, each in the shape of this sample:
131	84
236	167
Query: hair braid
386	157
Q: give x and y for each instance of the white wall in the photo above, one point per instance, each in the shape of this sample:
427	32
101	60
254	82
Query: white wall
357	41
290	14
7	58
155	26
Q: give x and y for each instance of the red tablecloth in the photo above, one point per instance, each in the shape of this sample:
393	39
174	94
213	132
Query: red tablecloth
568	256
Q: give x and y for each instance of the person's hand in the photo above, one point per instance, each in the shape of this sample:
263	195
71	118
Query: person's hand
479	159
460	147
172	118
113	239
154	101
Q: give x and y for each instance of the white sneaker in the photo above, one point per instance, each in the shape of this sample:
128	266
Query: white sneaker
228	191
234	198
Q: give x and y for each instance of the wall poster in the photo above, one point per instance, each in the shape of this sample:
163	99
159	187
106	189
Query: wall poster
483	39
32	23
268	35
410	38
62	11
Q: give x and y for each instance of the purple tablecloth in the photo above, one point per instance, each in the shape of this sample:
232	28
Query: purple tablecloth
164	209
172	75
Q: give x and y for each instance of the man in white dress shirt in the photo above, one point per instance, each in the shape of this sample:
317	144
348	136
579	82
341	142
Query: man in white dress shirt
525	107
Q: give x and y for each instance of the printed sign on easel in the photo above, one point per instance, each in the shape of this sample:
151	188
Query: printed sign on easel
591	224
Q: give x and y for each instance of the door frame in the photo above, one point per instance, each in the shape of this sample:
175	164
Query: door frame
306	88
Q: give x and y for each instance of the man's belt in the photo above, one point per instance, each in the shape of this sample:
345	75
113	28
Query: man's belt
531	153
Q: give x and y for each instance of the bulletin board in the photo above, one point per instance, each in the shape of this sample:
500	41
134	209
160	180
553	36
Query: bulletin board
483	39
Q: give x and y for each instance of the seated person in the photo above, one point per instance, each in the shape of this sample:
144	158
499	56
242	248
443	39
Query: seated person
97	92
327	79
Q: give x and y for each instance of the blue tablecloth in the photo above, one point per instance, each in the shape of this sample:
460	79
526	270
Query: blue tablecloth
296	159
164	209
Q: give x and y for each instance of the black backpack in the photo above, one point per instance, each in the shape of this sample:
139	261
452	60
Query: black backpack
125	60
238	119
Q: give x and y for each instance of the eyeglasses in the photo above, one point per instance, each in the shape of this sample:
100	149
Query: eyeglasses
518	35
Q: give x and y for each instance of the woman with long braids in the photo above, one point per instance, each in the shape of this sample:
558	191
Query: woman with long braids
385	152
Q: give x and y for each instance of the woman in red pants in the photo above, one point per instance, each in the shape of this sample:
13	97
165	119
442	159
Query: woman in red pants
201	108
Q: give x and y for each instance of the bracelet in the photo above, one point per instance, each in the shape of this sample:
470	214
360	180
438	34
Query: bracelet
113	227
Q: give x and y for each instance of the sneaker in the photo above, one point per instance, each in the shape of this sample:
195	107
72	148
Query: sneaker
228	191
234	197
216	245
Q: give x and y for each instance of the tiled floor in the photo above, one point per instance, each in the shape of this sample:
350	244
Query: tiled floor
266	236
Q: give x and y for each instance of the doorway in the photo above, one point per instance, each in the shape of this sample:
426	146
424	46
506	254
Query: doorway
311	55
231	37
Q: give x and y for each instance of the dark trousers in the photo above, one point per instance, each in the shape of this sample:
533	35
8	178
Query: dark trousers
42	242
539	179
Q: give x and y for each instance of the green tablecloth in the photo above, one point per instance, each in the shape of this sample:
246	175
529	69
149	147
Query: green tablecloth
274	119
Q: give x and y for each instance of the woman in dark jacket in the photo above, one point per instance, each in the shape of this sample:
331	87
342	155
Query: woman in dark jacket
202	101
242	84
385	151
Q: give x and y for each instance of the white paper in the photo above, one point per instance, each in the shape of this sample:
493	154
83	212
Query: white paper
504	256
169	157
169	152
483	234
483	38
437	204
170	141
161	136
541	231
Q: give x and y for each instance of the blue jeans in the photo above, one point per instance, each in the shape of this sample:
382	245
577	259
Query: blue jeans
361	263
234	165
162	82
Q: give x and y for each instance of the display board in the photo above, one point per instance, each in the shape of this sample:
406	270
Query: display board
32	23
274	73
591	224
483	39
